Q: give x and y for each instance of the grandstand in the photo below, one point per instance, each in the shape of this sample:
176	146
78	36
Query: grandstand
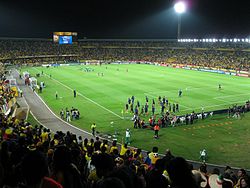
75	158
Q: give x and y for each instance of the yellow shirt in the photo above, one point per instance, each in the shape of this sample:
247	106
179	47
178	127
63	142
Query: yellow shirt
112	148
44	136
123	150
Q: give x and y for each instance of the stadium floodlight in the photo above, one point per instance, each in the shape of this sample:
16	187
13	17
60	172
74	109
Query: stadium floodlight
179	7
223	40
246	40
235	40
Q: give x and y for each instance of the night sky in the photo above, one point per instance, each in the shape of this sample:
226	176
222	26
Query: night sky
124	19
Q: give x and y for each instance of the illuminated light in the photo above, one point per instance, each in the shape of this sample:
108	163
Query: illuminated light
207	40
219	40
231	40
242	40
224	40
246	40
214	40
203	40
200	40
210	40
180	7
227	40
235	40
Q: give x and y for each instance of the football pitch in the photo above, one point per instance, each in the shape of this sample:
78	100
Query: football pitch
103	92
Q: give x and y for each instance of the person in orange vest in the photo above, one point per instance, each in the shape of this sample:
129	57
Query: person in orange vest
156	129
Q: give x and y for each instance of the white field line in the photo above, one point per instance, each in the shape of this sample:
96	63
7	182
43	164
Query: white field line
234	102
38	120
223	101
85	97
110	141
60	118
54	115
217	105
228	96
187	89
91	134
24	98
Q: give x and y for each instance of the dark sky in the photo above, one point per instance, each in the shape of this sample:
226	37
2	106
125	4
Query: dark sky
135	19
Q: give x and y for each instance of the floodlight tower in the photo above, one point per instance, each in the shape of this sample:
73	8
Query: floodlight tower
179	7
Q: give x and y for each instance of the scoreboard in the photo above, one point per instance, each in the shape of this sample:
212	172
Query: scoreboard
65	37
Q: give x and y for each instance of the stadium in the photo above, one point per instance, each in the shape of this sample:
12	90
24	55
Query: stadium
124	112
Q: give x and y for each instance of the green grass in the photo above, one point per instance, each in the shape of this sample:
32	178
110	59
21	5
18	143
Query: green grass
101	100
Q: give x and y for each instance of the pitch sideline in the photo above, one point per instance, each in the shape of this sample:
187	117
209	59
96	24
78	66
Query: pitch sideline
85	97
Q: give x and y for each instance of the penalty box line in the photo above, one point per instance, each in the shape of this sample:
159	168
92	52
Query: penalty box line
85	97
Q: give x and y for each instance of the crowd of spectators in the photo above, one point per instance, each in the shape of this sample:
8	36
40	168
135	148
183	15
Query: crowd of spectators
33	156
6	94
218	55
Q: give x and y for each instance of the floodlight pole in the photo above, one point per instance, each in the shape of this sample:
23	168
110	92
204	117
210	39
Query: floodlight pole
179	9
179	27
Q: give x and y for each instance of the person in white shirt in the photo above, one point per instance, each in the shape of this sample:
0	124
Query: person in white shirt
127	137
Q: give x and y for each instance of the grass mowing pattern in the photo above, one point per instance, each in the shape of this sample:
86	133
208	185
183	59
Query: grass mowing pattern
101	99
